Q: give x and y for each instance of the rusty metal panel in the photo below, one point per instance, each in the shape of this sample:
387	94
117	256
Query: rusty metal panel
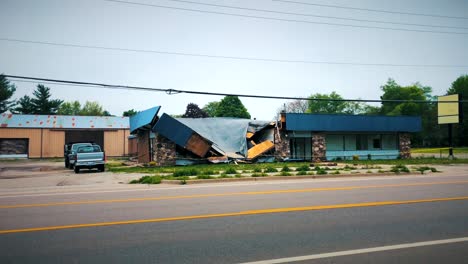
34	136
198	145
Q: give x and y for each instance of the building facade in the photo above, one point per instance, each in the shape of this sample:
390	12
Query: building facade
44	136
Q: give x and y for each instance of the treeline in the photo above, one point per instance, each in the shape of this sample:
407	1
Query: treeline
40	103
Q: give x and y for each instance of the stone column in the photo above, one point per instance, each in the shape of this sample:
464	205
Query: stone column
164	151
319	147
405	146
282	149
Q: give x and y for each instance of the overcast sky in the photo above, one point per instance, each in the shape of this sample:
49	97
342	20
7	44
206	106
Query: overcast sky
120	25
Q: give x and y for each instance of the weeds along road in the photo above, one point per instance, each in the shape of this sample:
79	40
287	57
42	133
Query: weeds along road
404	219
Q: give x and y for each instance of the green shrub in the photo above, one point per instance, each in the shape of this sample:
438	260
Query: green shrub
259	175
134	182
301	172
286	168
399	168
303	168
322	172
317	168
238	176
207	172
369	171
270	169
423	169
186	172
204	177
355	157
257	169
152	163
183	180
434	169
148	180
285	173
224	176
230	170
336	172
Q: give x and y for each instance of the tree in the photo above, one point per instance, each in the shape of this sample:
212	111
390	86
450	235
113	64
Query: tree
231	106
431	133
296	106
6	92
130	112
89	109
393	91
41	102
25	106
332	104
211	108
460	86
70	108
92	109
193	111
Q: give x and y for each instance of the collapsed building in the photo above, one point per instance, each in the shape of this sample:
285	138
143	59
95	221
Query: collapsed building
183	141
168	140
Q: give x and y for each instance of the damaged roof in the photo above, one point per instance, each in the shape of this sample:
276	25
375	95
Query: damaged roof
227	135
144	119
61	121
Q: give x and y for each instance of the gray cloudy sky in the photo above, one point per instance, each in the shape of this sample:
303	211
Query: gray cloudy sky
119	25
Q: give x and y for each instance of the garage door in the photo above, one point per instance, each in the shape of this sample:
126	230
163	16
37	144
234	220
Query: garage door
14	147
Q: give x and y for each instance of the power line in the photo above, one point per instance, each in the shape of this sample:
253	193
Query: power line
177	91
372	10
234	57
289	20
310	15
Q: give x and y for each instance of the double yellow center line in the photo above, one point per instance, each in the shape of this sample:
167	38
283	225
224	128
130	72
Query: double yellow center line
229	194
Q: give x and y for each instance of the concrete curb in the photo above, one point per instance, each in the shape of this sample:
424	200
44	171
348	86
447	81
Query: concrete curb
269	178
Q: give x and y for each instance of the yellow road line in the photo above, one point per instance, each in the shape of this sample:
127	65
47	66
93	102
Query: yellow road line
242	213
230	194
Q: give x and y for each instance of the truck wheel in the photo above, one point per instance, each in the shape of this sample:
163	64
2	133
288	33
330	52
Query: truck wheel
70	166
101	168
77	170
67	164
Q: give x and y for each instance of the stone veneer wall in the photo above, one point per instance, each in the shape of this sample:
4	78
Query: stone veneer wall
164	151
282	149
319	147
405	146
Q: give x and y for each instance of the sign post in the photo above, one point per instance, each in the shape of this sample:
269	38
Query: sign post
448	109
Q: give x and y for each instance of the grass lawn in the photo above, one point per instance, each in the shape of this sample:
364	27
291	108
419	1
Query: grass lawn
439	150
208	169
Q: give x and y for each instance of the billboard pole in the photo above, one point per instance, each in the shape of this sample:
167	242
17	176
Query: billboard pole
450	141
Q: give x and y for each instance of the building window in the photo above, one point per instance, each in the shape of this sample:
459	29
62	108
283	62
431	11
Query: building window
376	143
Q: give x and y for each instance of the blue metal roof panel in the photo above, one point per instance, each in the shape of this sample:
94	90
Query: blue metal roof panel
174	130
143	118
352	123
65	122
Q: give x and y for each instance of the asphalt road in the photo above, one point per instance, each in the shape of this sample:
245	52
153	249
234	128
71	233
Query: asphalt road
243	222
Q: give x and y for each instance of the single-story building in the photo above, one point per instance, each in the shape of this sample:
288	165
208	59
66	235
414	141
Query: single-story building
335	137
44	136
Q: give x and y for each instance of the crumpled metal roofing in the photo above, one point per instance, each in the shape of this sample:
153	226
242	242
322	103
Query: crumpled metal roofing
65	122
228	135
144	118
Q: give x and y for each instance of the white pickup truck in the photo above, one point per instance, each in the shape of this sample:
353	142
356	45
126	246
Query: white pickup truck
89	157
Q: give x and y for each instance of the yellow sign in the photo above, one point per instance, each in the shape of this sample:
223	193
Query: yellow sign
448	108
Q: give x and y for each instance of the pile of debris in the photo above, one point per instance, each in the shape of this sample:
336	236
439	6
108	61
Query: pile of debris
218	140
